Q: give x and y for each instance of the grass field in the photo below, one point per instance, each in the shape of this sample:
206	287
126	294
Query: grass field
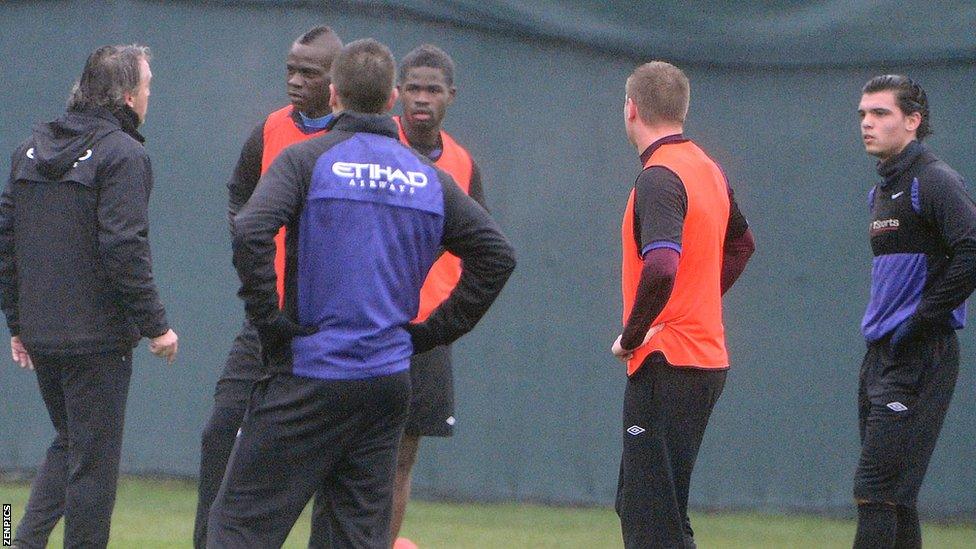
153	513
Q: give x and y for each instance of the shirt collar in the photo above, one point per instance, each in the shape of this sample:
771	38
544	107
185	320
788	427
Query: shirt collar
892	168
124	117
352	121
316	124
666	140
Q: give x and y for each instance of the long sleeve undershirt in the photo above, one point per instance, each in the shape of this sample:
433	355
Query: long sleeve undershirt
660	208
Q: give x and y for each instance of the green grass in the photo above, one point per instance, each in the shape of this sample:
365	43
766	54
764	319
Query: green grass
154	513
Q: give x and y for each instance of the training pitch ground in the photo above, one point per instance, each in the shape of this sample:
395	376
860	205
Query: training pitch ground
158	513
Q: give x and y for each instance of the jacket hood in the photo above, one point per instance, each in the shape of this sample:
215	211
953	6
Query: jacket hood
58	144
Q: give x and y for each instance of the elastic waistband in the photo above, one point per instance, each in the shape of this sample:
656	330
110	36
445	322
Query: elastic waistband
934	332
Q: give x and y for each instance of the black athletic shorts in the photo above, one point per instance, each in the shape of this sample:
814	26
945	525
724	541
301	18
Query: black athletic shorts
902	400
432	399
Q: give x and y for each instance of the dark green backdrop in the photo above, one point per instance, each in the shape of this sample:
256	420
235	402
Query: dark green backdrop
540	92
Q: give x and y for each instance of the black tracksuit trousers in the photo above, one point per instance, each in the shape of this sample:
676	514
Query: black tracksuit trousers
666	410
902	401
301	436
241	371
85	396
216	443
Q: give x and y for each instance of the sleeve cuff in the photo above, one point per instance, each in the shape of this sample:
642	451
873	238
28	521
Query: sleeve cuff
155	329
420	337
657	244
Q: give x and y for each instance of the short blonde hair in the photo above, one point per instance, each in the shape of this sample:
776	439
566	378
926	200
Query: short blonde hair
661	92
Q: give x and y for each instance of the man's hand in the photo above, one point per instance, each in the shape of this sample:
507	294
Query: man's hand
19	353
165	346
905	335
623	355
280	330
419	337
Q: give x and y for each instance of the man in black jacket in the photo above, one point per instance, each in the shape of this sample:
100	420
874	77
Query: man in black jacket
77	289
923	235
365	218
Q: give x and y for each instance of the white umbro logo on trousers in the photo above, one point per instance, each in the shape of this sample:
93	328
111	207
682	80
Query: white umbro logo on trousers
897	406
635	430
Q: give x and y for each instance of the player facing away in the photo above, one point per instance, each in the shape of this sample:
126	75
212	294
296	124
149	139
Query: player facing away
366	217
923	235
307	80
685	243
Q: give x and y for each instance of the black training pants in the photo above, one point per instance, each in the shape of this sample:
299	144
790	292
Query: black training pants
902	401
216	443
303	435
85	397
242	369
666	410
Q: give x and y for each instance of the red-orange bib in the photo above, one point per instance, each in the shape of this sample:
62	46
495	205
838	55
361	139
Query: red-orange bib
693	333
446	271
280	131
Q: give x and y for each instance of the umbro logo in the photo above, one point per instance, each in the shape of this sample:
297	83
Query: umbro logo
897	406
451	420
896	195
635	430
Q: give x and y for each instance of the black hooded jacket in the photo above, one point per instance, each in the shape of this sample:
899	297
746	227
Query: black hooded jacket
75	270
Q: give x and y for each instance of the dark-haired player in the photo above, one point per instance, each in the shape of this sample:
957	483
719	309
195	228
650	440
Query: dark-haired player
426	85
923	234
307	79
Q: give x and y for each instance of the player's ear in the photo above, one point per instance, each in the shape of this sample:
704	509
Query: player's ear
394	94
334	103
630	109
913	121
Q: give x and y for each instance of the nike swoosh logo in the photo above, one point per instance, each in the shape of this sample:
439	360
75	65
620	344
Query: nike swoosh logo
896	195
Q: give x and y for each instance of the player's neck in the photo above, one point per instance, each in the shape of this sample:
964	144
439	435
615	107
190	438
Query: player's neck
315	122
423	139
647	135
